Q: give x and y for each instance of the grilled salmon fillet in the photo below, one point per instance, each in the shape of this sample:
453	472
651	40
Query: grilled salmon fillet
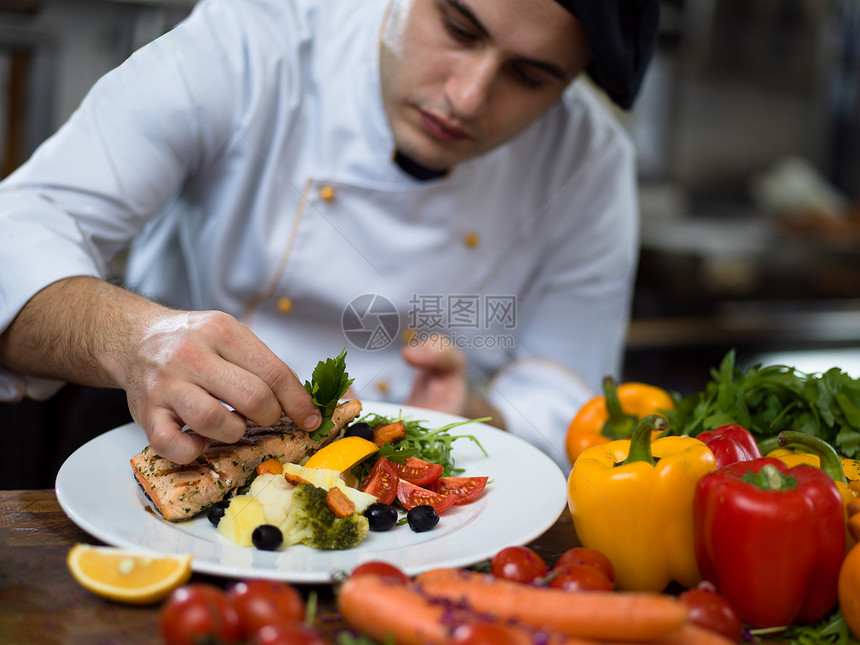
181	491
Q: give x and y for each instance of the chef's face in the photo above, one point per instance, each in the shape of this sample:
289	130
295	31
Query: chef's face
460	77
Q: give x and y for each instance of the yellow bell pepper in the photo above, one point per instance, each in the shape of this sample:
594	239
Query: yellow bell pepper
614	415
771	447
824	457
638	511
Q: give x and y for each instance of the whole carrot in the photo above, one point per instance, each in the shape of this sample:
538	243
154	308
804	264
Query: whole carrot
618	616
388	612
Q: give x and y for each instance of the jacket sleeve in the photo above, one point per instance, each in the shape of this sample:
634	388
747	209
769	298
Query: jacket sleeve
113	167
572	323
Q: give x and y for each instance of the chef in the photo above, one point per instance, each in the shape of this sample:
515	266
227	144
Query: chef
431	184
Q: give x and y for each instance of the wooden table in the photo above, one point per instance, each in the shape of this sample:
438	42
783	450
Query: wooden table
41	603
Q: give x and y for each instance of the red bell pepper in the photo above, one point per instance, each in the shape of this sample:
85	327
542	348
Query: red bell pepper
771	539
731	443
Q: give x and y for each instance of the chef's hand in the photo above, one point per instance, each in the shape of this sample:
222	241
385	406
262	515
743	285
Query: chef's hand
186	363
441	382
175	366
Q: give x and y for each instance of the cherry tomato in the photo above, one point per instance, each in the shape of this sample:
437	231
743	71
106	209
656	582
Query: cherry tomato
518	563
261	602
710	610
590	558
465	488
383	569
287	633
418	471
198	612
409	495
381	481
483	633
579	577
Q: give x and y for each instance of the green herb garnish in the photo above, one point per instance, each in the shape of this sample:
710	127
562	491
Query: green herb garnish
830	630
430	445
328	384
769	399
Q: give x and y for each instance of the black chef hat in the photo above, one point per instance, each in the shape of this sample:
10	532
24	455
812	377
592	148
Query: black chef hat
622	35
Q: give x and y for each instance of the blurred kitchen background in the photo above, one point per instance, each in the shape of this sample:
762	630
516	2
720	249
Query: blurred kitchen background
749	136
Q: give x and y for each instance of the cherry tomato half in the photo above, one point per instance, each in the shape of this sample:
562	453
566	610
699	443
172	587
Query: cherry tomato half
418	471
518	563
483	633
579	577
262	602
198	612
381	481
382	569
409	495
590	558
287	633
465	488
710	610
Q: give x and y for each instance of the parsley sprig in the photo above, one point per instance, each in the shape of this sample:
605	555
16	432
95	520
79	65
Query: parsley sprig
769	399
329	382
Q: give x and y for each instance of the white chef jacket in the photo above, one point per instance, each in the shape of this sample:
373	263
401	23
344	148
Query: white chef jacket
247	159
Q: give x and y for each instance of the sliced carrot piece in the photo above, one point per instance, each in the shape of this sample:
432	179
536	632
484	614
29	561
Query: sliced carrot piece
296	479
338	503
389	433
270	466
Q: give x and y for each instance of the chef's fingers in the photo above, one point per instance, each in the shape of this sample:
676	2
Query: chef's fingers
196	407
189	362
435	353
241	348
238	387
168	440
251	396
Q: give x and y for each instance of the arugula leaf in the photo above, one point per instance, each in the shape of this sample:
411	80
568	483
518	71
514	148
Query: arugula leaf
329	382
430	445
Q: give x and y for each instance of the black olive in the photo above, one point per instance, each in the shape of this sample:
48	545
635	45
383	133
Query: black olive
267	537
422	518
360	429
217	510
381	517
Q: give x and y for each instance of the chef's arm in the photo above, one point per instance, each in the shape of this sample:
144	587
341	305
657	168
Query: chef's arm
175	366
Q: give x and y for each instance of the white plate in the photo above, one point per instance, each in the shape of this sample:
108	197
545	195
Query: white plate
526	494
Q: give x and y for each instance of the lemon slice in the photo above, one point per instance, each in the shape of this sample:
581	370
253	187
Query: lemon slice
127	576
342	454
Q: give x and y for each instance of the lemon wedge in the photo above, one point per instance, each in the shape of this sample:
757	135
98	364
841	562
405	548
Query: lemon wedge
343	454
127	576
